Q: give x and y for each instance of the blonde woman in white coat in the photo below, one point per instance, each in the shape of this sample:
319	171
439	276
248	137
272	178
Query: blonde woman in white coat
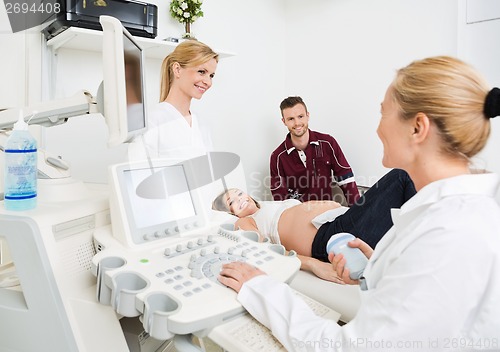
174	130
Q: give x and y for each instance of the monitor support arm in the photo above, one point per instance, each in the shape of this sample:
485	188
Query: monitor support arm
53	112
49	114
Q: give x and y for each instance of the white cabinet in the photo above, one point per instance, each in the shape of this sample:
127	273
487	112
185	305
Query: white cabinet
482	10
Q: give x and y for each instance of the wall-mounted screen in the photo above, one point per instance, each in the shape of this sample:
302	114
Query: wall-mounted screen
122	93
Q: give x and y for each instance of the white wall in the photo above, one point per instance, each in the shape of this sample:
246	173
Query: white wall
478	30
247	88
343	54
339	55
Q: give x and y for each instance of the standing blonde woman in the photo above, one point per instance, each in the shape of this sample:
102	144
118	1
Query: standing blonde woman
174	129
433	281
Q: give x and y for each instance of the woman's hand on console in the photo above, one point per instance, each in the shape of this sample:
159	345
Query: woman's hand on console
235	274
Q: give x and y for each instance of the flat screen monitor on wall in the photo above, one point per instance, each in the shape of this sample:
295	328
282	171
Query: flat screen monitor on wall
122	92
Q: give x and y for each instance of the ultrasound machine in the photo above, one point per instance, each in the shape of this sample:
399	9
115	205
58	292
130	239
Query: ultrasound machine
131	265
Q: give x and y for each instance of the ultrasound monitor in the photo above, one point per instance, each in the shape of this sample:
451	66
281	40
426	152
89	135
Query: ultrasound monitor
122	92
151	202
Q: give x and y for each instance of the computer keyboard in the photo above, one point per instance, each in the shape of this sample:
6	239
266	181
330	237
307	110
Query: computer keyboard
246	334
319	308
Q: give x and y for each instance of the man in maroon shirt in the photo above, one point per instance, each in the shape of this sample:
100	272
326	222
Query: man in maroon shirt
308	163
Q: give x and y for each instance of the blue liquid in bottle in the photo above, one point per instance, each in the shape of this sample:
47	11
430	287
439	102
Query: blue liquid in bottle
20	169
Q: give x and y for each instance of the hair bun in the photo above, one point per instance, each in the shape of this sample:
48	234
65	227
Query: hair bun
492	103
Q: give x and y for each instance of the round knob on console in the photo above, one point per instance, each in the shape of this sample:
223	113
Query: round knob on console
196	274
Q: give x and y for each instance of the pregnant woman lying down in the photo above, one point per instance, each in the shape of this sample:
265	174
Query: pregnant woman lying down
307	227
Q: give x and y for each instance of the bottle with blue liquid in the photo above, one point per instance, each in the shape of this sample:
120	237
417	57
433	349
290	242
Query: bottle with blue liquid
20	168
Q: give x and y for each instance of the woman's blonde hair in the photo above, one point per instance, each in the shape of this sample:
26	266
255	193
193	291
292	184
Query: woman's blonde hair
188	54
452	94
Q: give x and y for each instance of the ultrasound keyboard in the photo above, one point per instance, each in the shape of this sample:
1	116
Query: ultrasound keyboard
245	334
172	285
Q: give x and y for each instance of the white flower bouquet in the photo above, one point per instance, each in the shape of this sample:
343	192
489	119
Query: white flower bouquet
186	11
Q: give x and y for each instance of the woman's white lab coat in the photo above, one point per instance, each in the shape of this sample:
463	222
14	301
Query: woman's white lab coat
170	136
433	280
